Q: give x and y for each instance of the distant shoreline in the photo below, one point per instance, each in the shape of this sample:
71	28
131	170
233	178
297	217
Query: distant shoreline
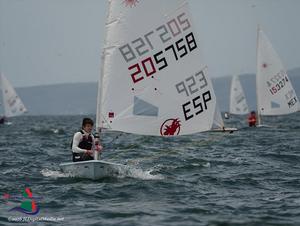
80	98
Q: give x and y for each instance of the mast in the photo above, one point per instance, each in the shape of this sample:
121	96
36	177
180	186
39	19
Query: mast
257	69
99	116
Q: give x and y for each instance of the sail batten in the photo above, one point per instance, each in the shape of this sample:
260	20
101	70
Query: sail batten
154	78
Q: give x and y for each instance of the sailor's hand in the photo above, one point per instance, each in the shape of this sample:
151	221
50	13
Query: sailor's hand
89	152
99	148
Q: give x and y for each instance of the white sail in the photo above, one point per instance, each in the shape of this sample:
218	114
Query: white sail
218	123
238	103
13	106
152	82
218	120
275	93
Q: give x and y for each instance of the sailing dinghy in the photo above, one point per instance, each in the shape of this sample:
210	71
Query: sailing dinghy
218	124
151	81
12	104
238	103
275	93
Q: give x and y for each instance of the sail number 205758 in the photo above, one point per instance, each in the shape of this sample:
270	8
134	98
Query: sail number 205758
148	67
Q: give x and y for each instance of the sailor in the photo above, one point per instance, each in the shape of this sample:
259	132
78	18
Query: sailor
252	119
83	142
2	120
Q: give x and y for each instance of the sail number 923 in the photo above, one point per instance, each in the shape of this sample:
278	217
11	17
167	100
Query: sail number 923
191	87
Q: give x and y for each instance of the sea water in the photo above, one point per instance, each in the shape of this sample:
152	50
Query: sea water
250	177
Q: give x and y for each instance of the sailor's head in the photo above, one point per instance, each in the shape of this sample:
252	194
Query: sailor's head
87	125
252	112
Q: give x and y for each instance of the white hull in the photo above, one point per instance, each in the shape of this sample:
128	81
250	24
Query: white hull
94	169
264	126
228	130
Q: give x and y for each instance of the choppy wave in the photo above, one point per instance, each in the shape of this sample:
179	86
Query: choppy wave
130	172
47	131
136	173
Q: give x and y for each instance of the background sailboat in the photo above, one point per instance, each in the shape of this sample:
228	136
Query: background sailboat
238	103
12	104
275	93
151	81
218	124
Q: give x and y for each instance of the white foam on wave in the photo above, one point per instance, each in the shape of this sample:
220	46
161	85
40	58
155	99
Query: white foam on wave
8	171
54	173
137	173
55	131
123	172
207	165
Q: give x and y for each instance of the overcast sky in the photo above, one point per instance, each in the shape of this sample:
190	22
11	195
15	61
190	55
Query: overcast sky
59	41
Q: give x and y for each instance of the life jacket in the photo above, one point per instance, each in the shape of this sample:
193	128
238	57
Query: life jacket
86	143
252	120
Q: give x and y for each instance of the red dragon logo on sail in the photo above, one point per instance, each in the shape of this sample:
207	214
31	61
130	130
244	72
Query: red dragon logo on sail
171	127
